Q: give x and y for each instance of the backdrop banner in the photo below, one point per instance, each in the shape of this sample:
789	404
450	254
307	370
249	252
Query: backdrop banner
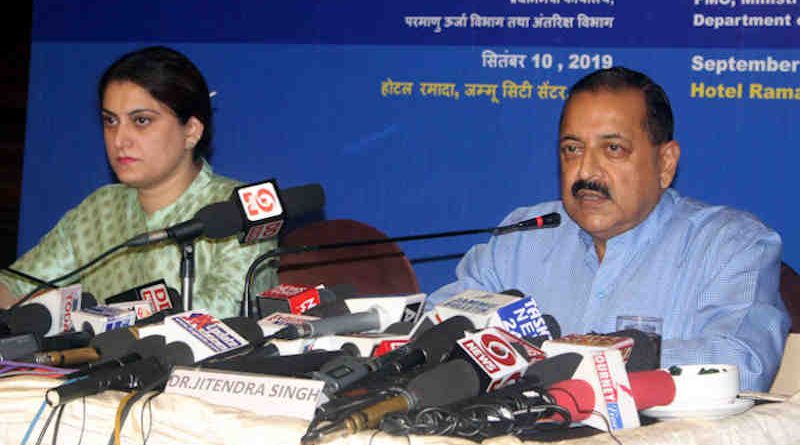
422	116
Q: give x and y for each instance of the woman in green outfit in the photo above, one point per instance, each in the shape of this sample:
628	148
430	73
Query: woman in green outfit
157	127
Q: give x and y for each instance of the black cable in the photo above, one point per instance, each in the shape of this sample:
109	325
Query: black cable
102	256
549	220
58	422
487	416
246	309
29	277
45	426
138	394
59	417
336	409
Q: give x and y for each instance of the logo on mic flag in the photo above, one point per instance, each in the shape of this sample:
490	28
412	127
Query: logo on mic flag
157	295
295	298
524	318
211	332
262	209
260	201
492	351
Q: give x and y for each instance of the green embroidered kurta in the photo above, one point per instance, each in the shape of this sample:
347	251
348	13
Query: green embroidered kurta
112	215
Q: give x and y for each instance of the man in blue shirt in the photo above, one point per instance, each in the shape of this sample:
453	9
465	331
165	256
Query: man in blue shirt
630	245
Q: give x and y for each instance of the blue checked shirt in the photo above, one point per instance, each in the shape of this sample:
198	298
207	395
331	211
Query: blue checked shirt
710	272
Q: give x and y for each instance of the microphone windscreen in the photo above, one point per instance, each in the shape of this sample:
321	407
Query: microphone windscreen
330	309
303	199
220	219
450	382
652	388
31	318
295	365
87	300
177	353
113	343
149	346
576	396
554	369
552	325
399	328
67	340
423	325
246	327
175	298
513	293
645	354
439	340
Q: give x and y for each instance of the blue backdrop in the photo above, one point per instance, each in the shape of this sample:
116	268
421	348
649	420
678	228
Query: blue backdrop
303	95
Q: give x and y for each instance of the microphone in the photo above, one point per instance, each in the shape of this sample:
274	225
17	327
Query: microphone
547	221
648	388
102	318
361	344
369	315
13	347
542	222
424	390
483	361
431	347
524	319
256	214
121	356
371	320
335	305
264	208
603	368
139	374
267	363
553	369
157	293
292	299
576	396
207	336
520	315
501	357
553	332
644	354
49	313
30	318
105	345
521	403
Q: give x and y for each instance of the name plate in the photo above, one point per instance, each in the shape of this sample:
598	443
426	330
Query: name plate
263	394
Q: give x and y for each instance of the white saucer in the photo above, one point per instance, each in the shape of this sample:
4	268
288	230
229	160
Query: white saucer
668	412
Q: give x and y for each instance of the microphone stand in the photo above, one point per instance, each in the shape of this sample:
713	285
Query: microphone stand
187	272
540	222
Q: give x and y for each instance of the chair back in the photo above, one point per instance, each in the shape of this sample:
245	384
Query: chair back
379	269
790	293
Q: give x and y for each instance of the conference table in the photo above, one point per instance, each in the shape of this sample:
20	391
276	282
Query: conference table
166	419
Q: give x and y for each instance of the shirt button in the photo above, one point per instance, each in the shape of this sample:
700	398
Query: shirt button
601	295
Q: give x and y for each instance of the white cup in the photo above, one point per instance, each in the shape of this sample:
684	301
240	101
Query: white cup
705	385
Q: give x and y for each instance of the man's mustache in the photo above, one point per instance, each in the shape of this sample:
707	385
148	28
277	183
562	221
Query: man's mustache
581	184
